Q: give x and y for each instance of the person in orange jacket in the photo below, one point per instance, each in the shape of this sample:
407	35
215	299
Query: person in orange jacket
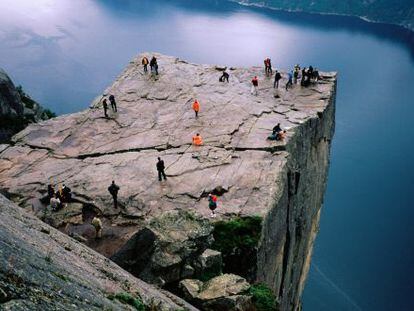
197	140
196	107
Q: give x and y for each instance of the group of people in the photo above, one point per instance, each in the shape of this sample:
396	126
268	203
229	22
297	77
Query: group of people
57	199
105	105
153	65
306	75
277	133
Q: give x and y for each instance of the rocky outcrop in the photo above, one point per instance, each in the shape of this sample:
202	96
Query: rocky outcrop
224	292
43	269
269	192
17	109
172	247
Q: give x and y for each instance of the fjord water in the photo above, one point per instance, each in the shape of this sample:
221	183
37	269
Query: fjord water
66	52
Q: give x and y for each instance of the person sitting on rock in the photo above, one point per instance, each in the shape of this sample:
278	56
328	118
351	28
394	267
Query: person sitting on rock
66	194
197	140
160	169
278	76
224	77
255	85
145	63
105	107
55	203
276	129
113	190
281	135
50	193
113	103
212	204
196	107
97	223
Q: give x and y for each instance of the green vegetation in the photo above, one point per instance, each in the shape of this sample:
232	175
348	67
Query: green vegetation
49	114
263	298
238	233
237	241
128	299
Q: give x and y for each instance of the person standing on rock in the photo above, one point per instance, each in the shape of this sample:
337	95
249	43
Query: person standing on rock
224	77
145	63
212	204
278	76
105	107
289	82
113	103
160	169
97	223
154	65
197	140
196	107
255	85
113	190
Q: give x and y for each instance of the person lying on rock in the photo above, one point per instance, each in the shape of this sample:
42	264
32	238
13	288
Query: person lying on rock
212	204
197	140
113	190
224	77
160	169
97	223
196	107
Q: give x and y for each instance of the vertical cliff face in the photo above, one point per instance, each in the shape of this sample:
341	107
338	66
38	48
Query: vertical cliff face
269	192
290	227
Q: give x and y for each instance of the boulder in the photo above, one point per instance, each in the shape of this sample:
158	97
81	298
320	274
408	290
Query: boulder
190	288
164	251
224	292
209	263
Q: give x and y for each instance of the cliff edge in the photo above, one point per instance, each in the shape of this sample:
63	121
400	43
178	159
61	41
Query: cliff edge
276	187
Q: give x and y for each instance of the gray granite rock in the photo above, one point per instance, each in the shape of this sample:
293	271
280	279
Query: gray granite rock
282	182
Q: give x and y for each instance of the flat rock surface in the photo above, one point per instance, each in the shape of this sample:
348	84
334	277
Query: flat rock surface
86	151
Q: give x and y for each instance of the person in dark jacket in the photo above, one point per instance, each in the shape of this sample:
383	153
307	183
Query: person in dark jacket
154	65
224	77
276	129
105	107
113	190
160	169
278	76
113	103
66	194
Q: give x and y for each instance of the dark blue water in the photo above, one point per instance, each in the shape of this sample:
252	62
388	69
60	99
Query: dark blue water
66	52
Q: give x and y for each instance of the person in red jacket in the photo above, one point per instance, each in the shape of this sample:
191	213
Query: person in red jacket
196	107
212	204
255	85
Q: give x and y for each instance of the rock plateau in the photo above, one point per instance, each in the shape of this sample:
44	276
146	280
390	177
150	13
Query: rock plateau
278	183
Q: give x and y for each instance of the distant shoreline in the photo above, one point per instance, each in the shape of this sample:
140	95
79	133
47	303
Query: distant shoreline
364	18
